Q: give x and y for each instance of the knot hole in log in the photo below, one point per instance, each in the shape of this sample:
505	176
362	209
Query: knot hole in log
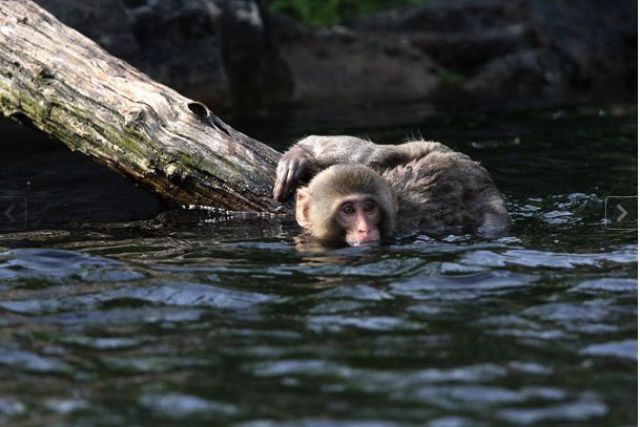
202	112
199	109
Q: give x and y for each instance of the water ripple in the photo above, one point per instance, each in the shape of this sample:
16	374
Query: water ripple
532	258
464	286
583	409
168	294
626	349
28	361
60	264
175	405
607	285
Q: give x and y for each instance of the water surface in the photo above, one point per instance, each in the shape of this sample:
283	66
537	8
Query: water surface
113	313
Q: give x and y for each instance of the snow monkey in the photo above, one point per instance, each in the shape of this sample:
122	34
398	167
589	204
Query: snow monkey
361	193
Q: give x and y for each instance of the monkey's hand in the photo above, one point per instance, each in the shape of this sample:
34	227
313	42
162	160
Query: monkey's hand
295	167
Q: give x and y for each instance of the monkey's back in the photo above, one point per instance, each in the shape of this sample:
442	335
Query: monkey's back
444	192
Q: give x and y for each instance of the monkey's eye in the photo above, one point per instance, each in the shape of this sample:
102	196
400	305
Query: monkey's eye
370	207
348	210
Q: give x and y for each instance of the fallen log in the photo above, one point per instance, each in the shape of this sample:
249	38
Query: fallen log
66	85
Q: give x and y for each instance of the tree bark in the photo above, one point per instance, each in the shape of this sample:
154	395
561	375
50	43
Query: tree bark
69	87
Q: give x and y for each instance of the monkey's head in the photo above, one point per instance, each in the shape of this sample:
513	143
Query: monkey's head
349	204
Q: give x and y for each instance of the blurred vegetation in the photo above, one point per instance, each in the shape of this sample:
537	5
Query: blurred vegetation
325	13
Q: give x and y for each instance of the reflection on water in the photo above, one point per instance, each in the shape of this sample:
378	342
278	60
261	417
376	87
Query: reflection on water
180	321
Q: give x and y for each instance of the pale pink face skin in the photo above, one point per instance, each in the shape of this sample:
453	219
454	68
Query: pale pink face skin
359	217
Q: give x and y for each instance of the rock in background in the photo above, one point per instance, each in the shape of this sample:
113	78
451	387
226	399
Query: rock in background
451	53
521	53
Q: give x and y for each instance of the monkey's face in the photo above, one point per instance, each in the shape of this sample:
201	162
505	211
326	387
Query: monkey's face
347	204
359	217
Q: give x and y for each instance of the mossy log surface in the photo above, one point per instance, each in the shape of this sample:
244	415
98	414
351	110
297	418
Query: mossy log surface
69	87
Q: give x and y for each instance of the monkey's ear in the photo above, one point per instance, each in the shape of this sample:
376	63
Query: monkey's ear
302	207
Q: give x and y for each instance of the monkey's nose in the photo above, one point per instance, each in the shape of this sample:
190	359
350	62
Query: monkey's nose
366	237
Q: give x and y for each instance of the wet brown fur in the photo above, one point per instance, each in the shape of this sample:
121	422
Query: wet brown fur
434	189
444	192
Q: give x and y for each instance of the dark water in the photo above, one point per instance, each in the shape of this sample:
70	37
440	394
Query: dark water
182	320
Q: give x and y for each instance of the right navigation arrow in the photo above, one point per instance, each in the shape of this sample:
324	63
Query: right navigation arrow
623	213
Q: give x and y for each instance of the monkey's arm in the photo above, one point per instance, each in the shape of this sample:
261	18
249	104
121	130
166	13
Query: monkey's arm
315	153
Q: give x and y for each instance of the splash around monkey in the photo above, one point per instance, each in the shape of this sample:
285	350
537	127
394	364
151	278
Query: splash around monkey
354	192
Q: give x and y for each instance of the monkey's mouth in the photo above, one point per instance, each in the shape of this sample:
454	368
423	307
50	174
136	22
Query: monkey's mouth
357	243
